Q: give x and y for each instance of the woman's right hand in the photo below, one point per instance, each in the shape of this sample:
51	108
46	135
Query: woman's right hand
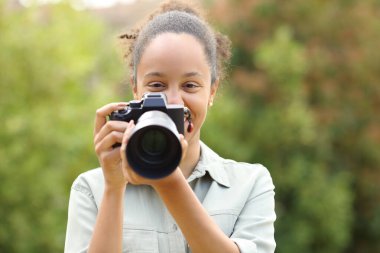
106	134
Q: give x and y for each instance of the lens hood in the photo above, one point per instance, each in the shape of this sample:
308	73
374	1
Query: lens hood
154	149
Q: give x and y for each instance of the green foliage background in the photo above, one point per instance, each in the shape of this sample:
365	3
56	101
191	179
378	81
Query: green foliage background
57	66
302	99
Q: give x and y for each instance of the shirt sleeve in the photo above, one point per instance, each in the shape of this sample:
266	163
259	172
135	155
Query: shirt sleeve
254	228
82	214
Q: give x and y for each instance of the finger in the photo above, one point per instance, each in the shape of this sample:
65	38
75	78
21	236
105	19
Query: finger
125	165
103	112
127	135
106	144
184	145
118	126
112	156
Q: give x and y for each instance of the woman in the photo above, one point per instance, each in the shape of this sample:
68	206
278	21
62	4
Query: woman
208	204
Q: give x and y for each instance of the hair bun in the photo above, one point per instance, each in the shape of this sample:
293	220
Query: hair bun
176	5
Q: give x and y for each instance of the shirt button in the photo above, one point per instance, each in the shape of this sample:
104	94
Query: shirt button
174	227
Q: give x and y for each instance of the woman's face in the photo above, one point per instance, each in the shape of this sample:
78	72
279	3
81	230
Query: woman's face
176	65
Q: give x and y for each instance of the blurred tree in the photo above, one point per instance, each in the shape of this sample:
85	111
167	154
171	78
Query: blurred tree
312	102
278	128
52	60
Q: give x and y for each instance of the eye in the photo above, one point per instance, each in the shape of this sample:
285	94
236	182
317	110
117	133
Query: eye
155	86
191	86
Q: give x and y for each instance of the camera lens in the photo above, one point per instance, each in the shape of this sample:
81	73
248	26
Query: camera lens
154	143
154	149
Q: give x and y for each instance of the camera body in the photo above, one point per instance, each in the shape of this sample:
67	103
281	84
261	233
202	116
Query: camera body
154	149
149	102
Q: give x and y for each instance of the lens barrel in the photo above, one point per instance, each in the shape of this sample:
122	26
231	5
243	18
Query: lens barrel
154	149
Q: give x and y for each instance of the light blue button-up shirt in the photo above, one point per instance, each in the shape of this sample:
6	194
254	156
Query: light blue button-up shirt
238	196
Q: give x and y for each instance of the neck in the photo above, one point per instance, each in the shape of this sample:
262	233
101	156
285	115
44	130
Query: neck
191	159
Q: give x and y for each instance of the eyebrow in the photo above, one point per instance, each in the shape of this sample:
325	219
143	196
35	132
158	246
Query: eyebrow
190	74
159	74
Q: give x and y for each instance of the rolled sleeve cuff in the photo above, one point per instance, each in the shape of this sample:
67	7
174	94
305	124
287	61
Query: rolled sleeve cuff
245	246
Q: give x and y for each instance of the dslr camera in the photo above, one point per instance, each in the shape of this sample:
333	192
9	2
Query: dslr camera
154	149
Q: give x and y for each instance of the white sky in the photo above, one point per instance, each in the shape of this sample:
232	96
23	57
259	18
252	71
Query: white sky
80	4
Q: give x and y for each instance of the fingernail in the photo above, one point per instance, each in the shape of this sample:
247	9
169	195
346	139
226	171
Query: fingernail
122	105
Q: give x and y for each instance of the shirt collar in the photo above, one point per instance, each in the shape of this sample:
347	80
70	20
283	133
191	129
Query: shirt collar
212	163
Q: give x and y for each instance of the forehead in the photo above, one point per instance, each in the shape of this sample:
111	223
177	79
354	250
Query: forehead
175	51
176	43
